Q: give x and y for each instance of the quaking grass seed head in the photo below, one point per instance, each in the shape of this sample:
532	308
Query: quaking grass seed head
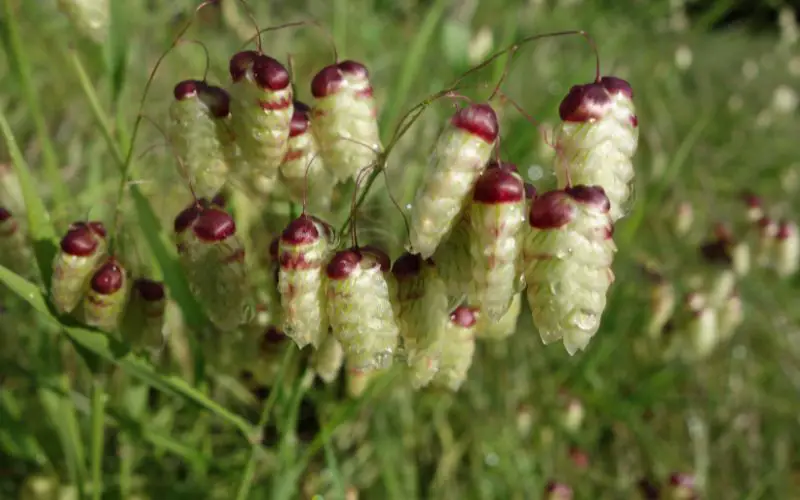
592	101
335	77
479	120
83	238
498	185
106	299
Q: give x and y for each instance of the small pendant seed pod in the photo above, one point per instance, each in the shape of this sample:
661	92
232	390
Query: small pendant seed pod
597	139
261	110
15	253
198	132
328	359
271	348
568	256
503	327
105	301
701	329
344	118
787	249
80	251
754	207
461	154
458	347
360	309
662	306
683	219
303	171
453	260
420	303
730	316
145	315
304	247
681	487
497	215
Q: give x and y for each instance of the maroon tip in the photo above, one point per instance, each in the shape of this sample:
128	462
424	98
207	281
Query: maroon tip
752	200
214	225
497	186
328	81
477	119
149	290
343	264
79	240
379	256
408	265
681	479
594	196
530	191
464	316
615	85
217	99
300	119
301	231
329	231
354	68
716	252
240	63
4	214
269	74
551	211
98	228
786	230
187	88
584	103
764	222
560	488
273	248
272	335
219	200
505	165
186	218
108	278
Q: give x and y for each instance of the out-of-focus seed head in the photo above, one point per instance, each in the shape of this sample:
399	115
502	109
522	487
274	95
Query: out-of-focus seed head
217	100
649	489
557	491
684	218
300	119
273	248
187	89
579	457
149	290
499	185
786	229
479	120
269	74
594	196
219	200
301	231
80	240
343	263
551	210
408	265
464	316
109	278
584	103
186	218
716	252
214	225
240	63
5	214
272	336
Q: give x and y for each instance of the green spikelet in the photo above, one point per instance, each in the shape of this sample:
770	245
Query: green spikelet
421	309
304	248
568	254
261	111
328	359
505	326
90	17
81	249
144	321
197	130
105	301
11	191
458	348
497	216
15	252
360	309
459	159
454	261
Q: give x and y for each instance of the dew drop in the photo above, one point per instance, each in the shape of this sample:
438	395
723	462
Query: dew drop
535	172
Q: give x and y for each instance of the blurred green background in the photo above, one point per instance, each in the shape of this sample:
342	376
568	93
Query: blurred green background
716	94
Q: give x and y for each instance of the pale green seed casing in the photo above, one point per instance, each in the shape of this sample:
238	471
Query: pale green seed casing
360	308
344	119
261	110
145	316
90	17
328	359
453	260
460	157
304	248
597	139
503	327
497	216
105	300
81	250
567	256
458	348
197	128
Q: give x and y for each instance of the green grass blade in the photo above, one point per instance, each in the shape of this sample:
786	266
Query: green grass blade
98	418
14	432
117	48
118	353
40	226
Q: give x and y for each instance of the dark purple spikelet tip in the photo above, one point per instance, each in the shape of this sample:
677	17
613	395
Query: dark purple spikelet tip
327	81
187	88
301	231
584	103
219	200
615	85
497	186
530	191
79	241
594	196
214	225
269	74
681	480
186	218
477	119
354	68
4	214
408	265
217	99
504	165
765	222
551	210
752	200
149	290
272	335
300	119
109	278
273	248
342	265
558	490
240	63
98	228
330	232
786	230
464	316
375	256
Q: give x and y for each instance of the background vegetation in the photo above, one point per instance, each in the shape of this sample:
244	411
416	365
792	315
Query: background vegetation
717	110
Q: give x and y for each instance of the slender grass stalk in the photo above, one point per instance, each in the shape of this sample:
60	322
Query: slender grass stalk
98	434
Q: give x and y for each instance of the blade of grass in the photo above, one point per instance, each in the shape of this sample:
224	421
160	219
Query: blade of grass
339	488
118	353
25	442
98	417
19	65
117	48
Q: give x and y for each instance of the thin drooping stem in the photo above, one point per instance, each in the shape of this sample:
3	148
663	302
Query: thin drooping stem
307	22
